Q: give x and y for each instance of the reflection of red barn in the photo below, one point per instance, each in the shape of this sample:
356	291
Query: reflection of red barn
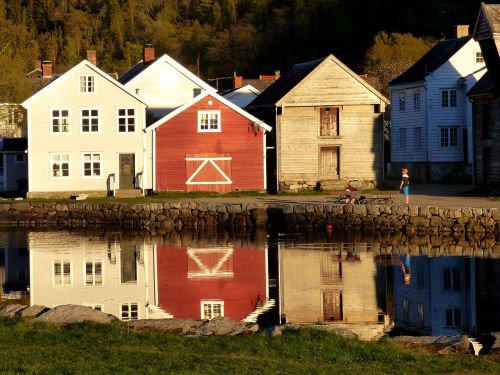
234	278
209	144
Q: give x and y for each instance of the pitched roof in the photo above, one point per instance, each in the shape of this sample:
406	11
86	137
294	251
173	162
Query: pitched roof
285	83
104	75
492	14
279	89
13	144
216	96
140	67
484	86
431	61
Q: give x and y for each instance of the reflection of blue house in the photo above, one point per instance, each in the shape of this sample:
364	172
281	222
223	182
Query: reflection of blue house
14	266
431	117
440	298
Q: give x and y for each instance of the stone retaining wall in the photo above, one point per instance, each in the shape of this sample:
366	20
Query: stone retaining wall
174	216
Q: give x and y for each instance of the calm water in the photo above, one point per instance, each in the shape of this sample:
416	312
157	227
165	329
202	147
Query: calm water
370	285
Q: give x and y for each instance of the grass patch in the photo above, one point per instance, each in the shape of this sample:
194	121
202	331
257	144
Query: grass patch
91	348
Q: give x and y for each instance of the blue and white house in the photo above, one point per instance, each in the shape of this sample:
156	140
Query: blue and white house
431	117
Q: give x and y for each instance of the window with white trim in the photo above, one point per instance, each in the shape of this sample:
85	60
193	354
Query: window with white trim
93	272
87	83
402	138
209	121
61	272
89	120
416	101
126	120
449	137
478	57
418	138
59	119
129	311
448	98
59	165
92	164
211	309
453	318
451	278
402	101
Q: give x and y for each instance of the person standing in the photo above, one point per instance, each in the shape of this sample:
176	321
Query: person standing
405	185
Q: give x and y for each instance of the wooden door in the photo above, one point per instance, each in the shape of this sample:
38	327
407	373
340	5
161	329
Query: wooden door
127	170
329	162
208	172
332	305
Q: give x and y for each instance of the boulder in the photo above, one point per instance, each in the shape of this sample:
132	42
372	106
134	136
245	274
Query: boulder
10	311
223	326
33	311
74	314
177	326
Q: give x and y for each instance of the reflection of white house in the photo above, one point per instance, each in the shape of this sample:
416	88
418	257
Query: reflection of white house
431	117
118	278
440	299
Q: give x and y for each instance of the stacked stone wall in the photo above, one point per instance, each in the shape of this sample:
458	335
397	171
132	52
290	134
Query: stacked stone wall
174	216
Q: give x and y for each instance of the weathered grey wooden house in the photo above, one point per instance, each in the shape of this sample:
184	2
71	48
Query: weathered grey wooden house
485	97
327	127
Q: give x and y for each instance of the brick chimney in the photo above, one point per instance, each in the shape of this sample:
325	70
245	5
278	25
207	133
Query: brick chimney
92	56
277	74
148	53
46	69
237	82
461	30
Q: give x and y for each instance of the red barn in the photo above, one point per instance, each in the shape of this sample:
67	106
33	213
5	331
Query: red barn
201	283
209	144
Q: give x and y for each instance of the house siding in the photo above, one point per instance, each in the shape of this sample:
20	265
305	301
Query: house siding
64	94
14	171
360	143
163	87
408	119
179	136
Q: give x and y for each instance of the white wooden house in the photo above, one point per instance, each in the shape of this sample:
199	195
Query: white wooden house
327	124
162	83
431	118
85	135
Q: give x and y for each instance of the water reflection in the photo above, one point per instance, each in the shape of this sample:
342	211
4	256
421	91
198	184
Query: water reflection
300	279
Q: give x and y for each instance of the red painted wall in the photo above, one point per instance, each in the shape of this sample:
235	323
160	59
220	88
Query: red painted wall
181	296
179	136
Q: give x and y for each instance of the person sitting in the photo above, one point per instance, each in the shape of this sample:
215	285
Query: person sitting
349	198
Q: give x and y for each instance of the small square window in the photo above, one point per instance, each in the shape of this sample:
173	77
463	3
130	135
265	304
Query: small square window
211	309
126	120
59	165
209	121
130	311
90	120
60	121
92	165
20	159
87	83
479	57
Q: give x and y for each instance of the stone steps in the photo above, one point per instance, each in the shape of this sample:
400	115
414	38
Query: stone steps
128	193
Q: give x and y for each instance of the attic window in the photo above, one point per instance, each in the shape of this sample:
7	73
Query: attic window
209	121
479	57
87	83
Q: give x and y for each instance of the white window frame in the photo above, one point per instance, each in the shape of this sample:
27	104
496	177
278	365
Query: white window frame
61	118
129	312
219	122
449	98
93	274
101	164
446	139
126	116
86	83
52	161
62	262
402	139
402	101
23	161
90	117
418	138
478	57
211	303
416	100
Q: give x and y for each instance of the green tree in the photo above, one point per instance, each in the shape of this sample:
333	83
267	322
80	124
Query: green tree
391	54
